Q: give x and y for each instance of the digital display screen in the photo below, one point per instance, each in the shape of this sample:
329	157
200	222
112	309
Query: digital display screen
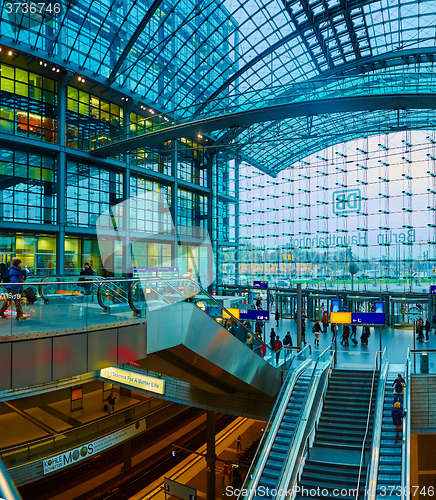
260	284
433	289
336	304
379	307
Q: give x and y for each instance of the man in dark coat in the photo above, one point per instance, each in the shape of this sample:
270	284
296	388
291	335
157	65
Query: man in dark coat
87	271
397	418
16	276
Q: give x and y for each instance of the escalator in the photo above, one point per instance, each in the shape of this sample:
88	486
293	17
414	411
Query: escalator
302	389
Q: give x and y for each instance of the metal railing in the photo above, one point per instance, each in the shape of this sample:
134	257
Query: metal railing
372	474
405	446
41	448
362	454
275	418
8	491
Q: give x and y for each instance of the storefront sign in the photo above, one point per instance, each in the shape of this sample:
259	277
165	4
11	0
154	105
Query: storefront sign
88	450
134	379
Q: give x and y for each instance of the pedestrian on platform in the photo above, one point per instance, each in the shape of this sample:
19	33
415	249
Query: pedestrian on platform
262	349
277	347
365	335
86	271
238	445
4	273
434	323
188	286
303	331
111	402
333	331
397	418
277	317
353	332
17	275
345	335
272	338
399	385
325	322
287	341
316	329
420	330
427	330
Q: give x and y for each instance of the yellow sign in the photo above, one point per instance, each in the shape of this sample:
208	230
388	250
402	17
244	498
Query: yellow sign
235	313
133	379
340	318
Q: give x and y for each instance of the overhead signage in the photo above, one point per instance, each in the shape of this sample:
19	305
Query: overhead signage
82	452
260	284
433	289
156	272
367	318
179	490
340	317
247	314
133	379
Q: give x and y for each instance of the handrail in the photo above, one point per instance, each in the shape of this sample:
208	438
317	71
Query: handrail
280	402
169	281
405	446
371	482
362	454
93	278
315	423
299	419
101	290
8	491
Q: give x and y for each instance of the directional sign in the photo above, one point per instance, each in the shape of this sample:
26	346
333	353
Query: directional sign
179	490
413	313
367	318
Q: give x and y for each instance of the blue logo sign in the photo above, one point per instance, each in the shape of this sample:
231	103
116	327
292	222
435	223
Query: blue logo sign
346	201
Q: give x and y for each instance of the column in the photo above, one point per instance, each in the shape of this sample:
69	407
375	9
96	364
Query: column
299	304
210	455
210	259
174	203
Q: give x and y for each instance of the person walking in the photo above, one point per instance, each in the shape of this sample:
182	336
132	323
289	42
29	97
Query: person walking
316	329
427	328
353	332
188	287
17	275
325	322
277	347
345	335
365	335
434	323
397	419
4	273
333	331
111	402
399	385
272	338
287	342
86	271
238	444
277	317
420	330
259	302
303	331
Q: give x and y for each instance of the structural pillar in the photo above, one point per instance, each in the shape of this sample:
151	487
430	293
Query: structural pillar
299	304
210	455
174	204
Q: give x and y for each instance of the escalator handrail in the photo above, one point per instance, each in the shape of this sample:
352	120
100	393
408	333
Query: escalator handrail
209	296
101	290
362	454
93	278
372	476
276	416
405	445
300	414
130	295
8	491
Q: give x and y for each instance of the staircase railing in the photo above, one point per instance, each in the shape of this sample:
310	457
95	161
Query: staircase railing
298	363
8	491
405	450
362	454
372	474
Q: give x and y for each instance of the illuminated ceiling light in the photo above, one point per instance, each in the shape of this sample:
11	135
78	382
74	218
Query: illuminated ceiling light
58	70
53	69
45	65
41	63
10	53
200	136
151	111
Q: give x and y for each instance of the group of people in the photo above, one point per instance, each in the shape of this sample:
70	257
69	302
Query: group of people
398	413
424	327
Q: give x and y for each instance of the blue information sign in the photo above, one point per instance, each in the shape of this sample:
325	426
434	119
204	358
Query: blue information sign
367	318
260	284
254	315
433	289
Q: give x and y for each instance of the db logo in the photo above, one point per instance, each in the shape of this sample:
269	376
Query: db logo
346	202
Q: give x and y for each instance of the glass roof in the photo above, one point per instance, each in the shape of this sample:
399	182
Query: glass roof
180	54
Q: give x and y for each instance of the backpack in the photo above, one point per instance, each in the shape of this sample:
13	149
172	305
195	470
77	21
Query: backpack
398	387
277	345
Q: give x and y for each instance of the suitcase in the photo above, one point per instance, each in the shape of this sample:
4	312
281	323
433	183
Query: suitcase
105	408
30	295
354	341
